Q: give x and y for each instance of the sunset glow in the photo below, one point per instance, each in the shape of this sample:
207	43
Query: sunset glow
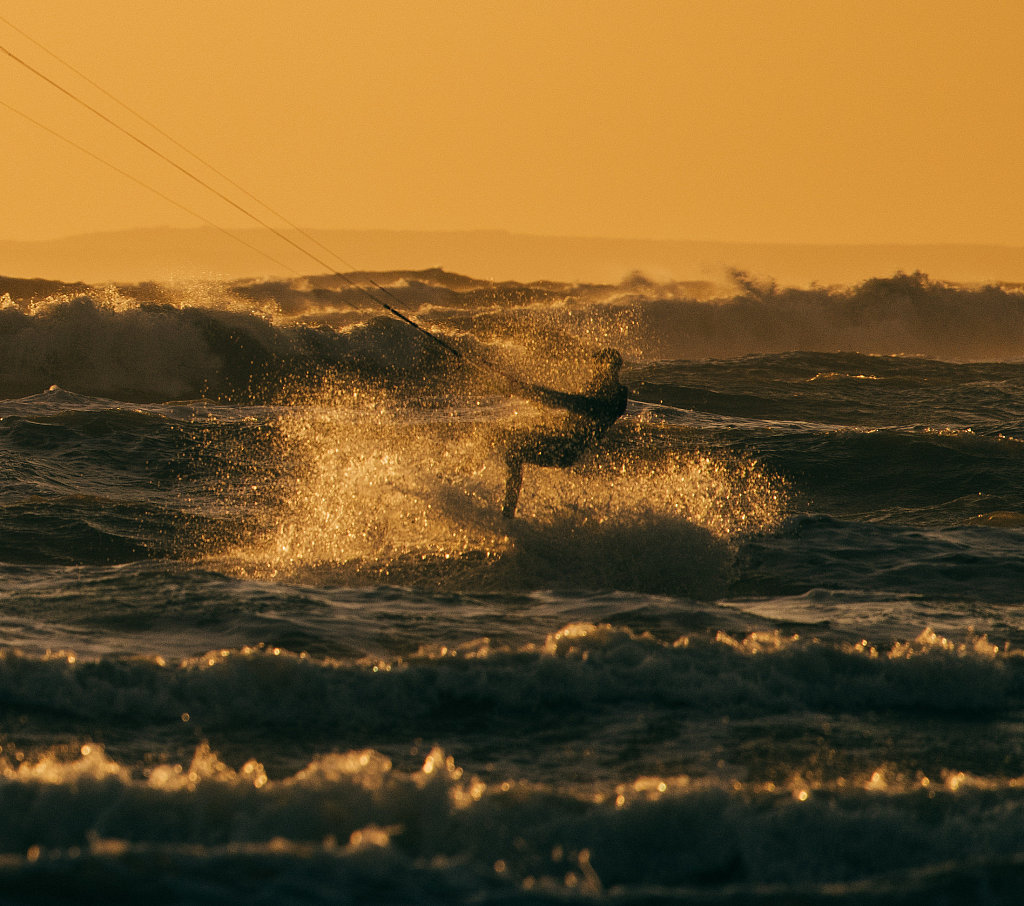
512	451
781	121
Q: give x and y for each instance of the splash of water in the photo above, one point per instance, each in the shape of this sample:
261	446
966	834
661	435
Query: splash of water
372	490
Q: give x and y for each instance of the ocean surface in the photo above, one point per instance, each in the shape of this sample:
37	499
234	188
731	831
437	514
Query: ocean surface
264	637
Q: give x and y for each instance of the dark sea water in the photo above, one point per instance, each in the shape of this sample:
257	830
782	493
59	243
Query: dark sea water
264	637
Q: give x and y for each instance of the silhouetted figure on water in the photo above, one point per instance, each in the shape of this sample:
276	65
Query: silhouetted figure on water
587	416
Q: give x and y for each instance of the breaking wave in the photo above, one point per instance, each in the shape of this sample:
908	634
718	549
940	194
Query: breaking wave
582	666
359	829
358	824
246	339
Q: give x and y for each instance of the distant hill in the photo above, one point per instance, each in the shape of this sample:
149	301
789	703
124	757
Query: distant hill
173	254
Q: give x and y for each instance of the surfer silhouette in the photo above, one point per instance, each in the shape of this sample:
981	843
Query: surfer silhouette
587	417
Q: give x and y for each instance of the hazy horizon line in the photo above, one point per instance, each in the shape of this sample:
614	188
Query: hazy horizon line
506	231
158	253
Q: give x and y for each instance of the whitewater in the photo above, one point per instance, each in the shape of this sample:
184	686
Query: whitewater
265	637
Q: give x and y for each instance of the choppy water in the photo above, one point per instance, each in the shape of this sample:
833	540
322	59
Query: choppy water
266	638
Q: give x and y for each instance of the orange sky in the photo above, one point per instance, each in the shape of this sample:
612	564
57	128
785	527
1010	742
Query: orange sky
790	120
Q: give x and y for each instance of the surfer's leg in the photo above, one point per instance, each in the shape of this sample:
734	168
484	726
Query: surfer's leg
513	485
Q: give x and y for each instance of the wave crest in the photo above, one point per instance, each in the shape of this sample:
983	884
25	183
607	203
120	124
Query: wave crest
253	339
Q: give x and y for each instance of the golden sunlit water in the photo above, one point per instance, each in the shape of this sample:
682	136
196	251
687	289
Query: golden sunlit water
336	564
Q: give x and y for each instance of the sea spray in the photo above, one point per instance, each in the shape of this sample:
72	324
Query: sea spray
369	487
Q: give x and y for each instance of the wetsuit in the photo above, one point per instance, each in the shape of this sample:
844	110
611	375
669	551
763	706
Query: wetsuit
587	418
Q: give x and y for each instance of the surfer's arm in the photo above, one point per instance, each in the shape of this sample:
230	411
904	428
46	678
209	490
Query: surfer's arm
595	407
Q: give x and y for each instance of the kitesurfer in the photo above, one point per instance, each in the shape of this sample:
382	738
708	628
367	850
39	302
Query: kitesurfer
587	416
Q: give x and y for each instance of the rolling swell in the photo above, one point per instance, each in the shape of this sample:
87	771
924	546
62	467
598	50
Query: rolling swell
250	340
588	669
906	314
886	438
95	481
843	389
958	566
360	829
155	352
